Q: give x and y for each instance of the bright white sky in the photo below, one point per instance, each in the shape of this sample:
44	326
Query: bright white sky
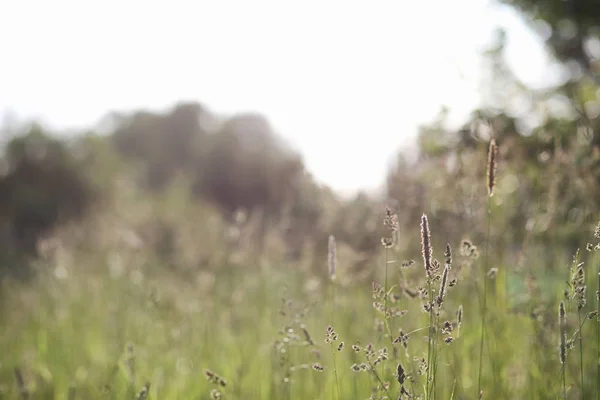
346	82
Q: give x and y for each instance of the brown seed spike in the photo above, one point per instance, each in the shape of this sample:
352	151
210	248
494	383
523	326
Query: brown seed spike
443	286
400	374
426	245
492	166
448	254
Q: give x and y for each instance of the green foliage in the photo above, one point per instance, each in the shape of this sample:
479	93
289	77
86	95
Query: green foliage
572	24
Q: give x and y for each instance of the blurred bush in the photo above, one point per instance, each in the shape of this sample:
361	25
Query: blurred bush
164	144
41	186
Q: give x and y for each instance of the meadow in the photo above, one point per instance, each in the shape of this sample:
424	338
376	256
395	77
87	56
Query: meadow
185	253
453	318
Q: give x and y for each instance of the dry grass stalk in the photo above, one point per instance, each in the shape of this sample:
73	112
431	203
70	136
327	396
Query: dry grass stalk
492	165
443	286
426	246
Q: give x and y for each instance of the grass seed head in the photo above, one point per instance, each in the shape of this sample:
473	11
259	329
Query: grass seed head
448	254
400	374
492	165
390	222
562	323
426	246
443	286
330	335
214	378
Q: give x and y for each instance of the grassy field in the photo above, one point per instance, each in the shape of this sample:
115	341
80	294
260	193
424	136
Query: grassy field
105	316
116	324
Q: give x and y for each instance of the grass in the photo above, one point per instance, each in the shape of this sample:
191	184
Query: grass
491	183
87	329
82	333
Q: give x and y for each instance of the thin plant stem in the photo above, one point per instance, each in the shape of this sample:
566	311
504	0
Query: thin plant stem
564	383
430	348
335	372
337	385
385	286
417	330
435	354
379	380
333	303
562	369
581	355
439	354
385	298
453	389
598	341
484	305
385	319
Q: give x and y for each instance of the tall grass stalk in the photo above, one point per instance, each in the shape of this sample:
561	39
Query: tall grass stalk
562	325
385	299
484	301
391	223
564	354
453	389
430	345
429	273
383	386
385	304
435	353
332	265
598	341
491	184
335	372
579	286
581	354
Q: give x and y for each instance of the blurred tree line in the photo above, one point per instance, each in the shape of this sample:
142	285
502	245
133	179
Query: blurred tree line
237	176
549	141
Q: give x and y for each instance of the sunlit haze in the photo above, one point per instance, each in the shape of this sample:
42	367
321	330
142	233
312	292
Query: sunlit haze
345	82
